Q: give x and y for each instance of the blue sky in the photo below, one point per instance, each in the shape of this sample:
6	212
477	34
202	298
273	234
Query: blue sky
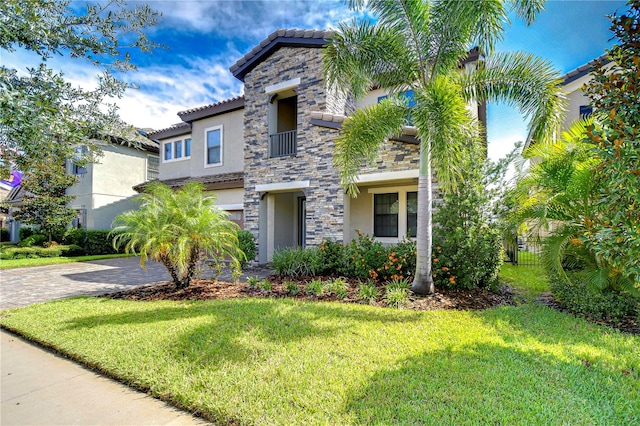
205	37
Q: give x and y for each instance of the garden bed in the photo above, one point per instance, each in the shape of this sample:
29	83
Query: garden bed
476	299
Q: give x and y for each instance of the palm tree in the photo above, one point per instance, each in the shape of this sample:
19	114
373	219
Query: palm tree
418	45
179	229
562	188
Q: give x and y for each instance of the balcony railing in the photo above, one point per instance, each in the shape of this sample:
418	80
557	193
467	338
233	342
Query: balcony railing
283	144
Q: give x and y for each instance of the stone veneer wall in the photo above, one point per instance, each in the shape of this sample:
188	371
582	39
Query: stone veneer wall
395	156
313	162
325	208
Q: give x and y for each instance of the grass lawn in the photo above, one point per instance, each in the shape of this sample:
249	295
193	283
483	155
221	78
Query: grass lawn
284	361
530	281
24	263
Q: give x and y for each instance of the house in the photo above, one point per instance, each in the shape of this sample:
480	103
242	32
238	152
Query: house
105	187
268	154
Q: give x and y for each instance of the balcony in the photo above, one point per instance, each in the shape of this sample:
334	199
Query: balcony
283	144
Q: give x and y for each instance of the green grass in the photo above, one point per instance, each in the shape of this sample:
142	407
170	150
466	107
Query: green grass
284	361
25	263
529	281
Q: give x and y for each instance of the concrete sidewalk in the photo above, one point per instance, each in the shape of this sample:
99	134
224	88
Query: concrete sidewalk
40	388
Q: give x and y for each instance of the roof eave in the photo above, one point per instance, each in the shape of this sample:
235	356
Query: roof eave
240	71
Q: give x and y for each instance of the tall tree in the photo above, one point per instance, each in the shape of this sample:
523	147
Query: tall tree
179	229
615	96
43	115
45	203
419	45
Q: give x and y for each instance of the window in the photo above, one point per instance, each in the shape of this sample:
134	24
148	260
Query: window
177	150
213	148
79	156
410	96
152	167
585	111
385	215
395	214
412	214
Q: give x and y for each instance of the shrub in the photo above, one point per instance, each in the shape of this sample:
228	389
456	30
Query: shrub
296	262
368	292
265	285
4	234
33	240
467	258
314	288
579	297
31	252
333	260
366	256
291	287
25	231
53	251
338	287
247	243
253	281
71	250
94	241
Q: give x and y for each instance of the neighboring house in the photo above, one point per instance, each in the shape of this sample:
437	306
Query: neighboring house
275	147
573	84
105	187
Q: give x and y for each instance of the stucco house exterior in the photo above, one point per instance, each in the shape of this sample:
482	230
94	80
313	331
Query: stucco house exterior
267	155
104	188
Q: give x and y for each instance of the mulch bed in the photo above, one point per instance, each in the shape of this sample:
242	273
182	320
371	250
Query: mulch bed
476	299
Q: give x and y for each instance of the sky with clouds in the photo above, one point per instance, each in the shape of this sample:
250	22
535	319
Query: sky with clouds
205	37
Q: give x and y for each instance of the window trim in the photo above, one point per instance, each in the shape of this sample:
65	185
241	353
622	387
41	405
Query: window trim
206	131
403	226
172	145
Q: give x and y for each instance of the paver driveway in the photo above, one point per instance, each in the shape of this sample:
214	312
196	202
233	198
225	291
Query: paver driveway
24	286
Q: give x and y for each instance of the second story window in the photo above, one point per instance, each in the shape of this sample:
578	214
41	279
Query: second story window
79	153
213	146
585	111
176	150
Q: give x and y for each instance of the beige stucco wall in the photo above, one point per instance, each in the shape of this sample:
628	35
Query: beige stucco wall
232	148
229	197
174	168
106	189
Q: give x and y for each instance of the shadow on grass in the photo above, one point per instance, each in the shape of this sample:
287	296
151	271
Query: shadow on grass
228	329
490	383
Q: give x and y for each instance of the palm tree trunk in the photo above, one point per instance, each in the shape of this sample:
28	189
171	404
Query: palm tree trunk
423	281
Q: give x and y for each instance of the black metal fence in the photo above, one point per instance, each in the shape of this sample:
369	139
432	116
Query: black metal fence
523	251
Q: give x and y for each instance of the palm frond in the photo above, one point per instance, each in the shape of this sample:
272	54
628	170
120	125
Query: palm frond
361	55
524	81
362	135
445	123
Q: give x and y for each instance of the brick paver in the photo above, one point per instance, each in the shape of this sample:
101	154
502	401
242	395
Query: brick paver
24	286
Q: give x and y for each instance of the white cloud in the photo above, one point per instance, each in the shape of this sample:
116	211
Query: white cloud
250	20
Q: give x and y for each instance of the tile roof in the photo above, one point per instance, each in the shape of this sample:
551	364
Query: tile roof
209	110
583	70
220	181
279	38
173	130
